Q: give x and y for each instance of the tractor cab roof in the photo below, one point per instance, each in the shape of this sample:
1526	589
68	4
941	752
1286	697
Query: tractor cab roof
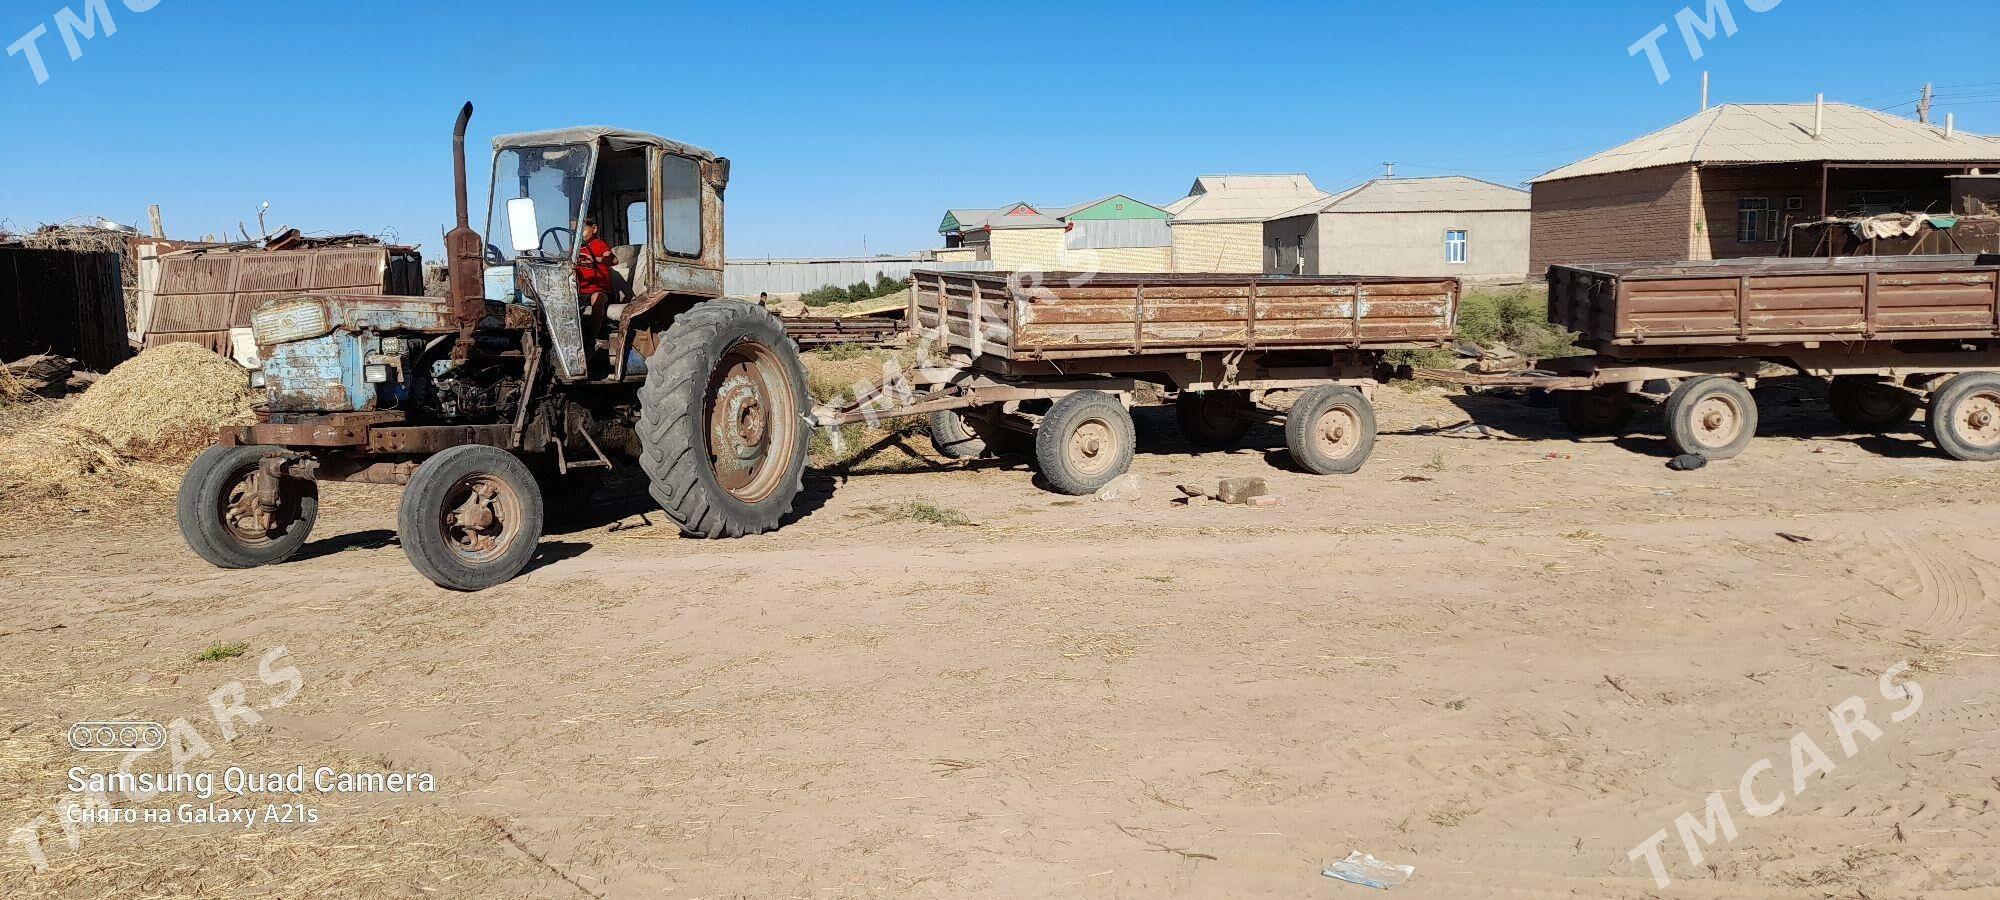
615	138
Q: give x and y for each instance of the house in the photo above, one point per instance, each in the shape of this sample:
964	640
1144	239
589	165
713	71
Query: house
1109	234
1733	180
1219	225
1448	225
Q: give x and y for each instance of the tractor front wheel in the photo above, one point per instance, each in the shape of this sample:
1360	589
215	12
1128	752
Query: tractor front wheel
226	524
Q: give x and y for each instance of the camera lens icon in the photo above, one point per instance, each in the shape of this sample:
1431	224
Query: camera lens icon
117	737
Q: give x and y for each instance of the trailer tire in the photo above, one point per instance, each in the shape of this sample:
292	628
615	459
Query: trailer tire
1964	417
952	437
1867	406
1331	430
725	374
471	517
210	509
1210	419
1084	442
1713	417
1596	413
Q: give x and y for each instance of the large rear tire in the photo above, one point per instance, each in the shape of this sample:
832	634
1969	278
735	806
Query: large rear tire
722	421
471	517
219	518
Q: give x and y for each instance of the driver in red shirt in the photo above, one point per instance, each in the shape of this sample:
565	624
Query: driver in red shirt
593	276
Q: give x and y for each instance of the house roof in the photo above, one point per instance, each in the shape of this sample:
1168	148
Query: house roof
1443	193
1749	133
1243	198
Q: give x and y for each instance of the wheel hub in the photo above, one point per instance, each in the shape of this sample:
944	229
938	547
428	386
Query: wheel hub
1336	431
478	517
1090	447
1717	420
751	421
1980	414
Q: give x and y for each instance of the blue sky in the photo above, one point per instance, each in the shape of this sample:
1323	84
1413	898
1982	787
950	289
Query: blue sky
853	124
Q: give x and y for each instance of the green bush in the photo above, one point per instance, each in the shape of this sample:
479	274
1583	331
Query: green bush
826	296
884	285
1518	319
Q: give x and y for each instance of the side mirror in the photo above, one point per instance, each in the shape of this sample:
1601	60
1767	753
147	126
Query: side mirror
521	222
718	172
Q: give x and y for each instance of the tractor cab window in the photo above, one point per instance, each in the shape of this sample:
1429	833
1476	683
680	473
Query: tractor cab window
554	179
680	204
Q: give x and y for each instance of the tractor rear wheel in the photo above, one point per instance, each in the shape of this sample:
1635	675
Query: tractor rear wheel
722	421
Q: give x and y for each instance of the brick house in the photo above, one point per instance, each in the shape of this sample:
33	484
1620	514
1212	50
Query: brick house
1733	181
1219	225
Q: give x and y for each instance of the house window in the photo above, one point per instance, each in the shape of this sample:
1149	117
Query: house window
1753	216
1454	247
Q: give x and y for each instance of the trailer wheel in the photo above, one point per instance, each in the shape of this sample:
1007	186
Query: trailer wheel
1595	413
952	437
219	516
1868	406
471	517
1331	430
1084	442
1713	417
1965	417
722	421
1213	419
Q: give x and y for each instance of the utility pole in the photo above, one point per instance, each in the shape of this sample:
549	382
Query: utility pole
1704	92
159	227
1392	169
1924	106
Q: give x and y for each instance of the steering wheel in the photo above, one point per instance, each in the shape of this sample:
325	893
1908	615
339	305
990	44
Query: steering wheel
494	257
557	232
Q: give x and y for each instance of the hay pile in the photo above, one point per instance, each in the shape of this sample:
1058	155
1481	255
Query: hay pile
131	433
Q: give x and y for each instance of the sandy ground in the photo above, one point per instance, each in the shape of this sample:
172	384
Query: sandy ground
1506	663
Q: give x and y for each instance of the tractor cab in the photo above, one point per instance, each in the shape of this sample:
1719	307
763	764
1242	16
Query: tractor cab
657	202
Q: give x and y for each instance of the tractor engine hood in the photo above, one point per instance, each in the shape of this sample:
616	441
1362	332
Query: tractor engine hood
328	353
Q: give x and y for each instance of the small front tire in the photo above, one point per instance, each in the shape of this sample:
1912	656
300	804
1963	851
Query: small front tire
1084	442
1713	417
1213	420
1865	405
218	515
1596	413
1964	417
471	517
1331	430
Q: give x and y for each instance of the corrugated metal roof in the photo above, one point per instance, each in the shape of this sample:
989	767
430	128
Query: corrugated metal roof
1443	193
1782	133
1243	198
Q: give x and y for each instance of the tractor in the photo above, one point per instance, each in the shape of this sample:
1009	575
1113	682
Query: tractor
508	397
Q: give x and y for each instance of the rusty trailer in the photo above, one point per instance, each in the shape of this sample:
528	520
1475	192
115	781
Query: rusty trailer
1895	335
1049	363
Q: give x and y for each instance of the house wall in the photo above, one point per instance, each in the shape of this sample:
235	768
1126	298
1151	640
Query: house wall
1721	188
1412	243
1219	247
1029	249
957	254
1620	217
1117	259
1286	240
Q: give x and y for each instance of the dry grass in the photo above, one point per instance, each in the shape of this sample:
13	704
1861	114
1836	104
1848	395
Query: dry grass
122	442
